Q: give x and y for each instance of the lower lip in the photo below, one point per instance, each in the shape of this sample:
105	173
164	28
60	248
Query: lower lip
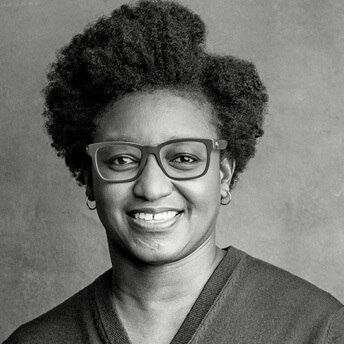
155	226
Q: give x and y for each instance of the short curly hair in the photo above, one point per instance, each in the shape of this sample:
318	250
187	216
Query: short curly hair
149	45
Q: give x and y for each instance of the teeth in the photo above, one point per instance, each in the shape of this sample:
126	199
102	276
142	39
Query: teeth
159	216
156	217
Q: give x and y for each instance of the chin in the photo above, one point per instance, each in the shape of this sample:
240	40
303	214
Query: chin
156	253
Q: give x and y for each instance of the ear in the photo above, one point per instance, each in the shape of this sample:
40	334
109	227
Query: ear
227	168
87	172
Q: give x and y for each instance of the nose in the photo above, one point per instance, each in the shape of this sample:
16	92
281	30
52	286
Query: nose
152	184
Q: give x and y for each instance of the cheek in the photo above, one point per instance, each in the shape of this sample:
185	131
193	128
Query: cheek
203	194
110	197
210	192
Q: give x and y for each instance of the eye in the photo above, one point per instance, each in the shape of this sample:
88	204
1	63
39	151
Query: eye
122	162
184	159
184	162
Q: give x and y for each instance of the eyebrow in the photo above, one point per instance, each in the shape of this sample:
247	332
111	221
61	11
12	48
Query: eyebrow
119	138
129	139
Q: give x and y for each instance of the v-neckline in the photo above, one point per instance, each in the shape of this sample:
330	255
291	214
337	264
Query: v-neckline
112	330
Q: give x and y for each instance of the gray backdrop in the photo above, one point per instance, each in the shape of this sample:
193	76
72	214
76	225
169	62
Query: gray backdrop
288	207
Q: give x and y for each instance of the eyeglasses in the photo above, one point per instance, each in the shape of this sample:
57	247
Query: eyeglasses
180	159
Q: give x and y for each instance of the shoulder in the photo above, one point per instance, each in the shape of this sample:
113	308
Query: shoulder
269	280
282	303
69	322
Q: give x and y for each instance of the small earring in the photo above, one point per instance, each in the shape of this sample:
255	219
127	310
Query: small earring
226	200
88	205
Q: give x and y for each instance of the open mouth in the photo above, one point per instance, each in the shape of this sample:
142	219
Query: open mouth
155	217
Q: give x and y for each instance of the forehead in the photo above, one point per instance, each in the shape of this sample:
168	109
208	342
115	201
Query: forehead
152	118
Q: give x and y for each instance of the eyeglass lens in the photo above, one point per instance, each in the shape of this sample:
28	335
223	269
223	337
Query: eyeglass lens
120	162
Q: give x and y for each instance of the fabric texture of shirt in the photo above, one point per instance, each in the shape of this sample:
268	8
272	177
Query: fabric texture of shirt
245	301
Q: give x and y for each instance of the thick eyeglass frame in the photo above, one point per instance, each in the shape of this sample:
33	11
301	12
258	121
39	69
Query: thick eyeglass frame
211	144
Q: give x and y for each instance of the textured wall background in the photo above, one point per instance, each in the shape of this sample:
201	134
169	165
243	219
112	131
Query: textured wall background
287	209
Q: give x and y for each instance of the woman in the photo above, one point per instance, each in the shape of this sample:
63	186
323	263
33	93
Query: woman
158	130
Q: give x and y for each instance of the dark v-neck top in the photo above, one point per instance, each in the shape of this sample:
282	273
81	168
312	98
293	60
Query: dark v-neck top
244	301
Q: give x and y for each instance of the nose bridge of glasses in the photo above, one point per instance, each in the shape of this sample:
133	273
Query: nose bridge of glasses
150	150
150	173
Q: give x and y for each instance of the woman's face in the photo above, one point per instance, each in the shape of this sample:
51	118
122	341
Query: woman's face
191	206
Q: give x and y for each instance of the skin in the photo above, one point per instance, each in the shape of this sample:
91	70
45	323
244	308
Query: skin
150	261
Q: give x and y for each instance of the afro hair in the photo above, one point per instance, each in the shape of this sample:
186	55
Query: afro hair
150	45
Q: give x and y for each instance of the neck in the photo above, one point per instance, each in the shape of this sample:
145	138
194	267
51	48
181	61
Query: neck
143	285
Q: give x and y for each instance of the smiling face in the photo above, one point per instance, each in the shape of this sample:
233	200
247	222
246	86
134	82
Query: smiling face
155	219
